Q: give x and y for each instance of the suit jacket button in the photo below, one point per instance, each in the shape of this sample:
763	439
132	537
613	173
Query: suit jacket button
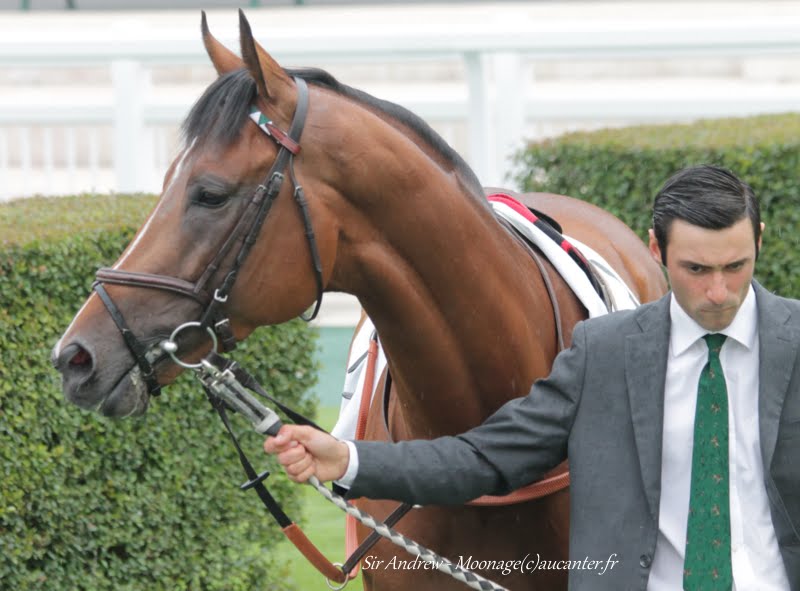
645	561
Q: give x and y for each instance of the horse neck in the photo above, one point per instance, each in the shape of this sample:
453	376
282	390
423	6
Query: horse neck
460	307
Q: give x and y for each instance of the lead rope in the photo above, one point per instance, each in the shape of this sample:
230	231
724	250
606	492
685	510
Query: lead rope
223	384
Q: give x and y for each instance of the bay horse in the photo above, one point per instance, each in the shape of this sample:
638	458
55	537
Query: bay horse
393	216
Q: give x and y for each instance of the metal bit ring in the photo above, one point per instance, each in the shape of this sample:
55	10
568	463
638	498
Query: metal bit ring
170	346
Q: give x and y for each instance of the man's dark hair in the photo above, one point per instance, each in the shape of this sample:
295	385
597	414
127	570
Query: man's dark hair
707	196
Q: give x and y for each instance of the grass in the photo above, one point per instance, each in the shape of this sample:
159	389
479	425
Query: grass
323	524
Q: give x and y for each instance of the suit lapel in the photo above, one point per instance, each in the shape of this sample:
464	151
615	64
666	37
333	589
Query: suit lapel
645	371
777	356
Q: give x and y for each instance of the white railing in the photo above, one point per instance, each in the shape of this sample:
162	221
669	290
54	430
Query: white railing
118	133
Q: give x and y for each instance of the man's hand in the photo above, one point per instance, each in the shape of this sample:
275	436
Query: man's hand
304	452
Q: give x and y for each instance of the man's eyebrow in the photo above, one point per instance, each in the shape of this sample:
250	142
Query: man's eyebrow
691	263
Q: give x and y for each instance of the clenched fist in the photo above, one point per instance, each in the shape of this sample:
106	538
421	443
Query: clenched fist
304	452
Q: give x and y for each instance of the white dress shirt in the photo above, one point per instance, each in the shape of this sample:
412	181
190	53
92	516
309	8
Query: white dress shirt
349	476
755	557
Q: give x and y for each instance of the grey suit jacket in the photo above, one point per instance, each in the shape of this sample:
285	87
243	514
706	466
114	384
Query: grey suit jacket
602	406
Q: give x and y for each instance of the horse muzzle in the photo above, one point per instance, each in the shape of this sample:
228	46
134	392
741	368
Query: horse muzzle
114	391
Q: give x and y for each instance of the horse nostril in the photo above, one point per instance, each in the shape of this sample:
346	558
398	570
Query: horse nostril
76	358
81	358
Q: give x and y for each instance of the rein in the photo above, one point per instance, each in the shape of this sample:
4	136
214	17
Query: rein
246	231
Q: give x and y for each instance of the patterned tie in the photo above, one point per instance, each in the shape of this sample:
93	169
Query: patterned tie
707	566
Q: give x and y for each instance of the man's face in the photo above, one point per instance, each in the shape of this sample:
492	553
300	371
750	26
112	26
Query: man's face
709	270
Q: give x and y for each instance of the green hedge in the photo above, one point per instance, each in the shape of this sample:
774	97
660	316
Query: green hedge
142	504
621	170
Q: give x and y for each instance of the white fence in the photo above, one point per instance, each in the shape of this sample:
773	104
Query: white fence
492	75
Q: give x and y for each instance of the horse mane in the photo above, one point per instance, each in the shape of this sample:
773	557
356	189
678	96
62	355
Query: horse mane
221	111
401	114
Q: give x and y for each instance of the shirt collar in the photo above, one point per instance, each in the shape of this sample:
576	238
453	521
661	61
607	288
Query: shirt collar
684	331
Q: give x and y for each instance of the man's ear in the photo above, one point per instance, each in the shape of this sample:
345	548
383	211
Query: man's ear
655	250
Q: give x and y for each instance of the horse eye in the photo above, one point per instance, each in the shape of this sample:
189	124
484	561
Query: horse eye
207	199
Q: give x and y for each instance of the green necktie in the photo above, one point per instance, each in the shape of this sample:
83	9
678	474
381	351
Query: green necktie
707	566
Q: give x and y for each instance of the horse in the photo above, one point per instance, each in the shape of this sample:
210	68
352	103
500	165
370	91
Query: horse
377	205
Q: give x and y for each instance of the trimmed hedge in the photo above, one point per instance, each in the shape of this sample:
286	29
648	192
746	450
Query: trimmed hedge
622	170
150	503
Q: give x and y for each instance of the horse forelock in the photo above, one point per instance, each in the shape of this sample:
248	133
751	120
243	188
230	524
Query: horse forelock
221	111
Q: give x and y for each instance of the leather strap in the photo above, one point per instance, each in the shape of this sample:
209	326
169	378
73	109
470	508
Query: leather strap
548	283
152	281
135	346
354	559
249	382
350	534
366	392
313	555
356	553
535	490
256	481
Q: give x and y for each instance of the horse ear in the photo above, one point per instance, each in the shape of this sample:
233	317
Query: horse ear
224	59
260	64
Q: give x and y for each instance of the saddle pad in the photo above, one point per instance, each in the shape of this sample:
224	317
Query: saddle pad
620	296
564	255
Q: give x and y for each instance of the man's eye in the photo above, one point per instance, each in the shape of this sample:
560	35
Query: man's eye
207	199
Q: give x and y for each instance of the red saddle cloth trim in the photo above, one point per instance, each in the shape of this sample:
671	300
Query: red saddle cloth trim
554	234
515	205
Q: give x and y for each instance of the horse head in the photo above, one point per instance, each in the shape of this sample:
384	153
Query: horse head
229	246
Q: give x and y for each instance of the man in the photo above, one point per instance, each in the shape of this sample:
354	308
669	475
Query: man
679	419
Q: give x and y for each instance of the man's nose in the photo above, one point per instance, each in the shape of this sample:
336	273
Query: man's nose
717	291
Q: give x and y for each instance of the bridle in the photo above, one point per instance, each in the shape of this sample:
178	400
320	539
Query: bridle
246	231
